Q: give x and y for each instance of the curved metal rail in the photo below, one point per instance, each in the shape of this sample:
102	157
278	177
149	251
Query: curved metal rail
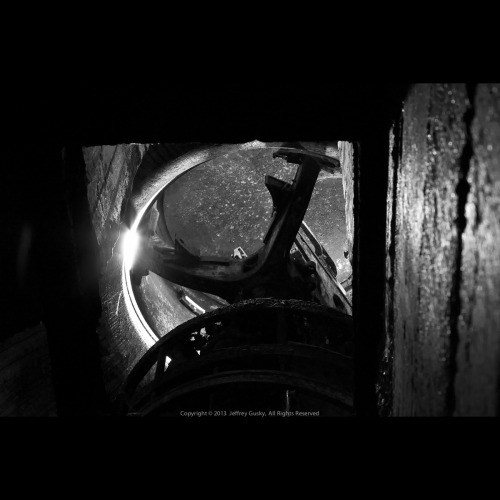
295	330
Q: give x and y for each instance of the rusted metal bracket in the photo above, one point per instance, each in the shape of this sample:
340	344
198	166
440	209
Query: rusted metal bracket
259	273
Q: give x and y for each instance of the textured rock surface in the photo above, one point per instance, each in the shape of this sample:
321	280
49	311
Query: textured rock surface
443	241
346	157
110	171
478	357
384	385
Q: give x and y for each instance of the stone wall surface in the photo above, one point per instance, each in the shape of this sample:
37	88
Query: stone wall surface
110	174
443	289
110	171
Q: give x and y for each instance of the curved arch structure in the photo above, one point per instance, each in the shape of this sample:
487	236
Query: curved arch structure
146	191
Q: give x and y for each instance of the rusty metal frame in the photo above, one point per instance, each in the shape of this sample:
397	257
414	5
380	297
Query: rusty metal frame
226	277
156	355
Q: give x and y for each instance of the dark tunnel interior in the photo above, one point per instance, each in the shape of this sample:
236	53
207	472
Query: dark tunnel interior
401	320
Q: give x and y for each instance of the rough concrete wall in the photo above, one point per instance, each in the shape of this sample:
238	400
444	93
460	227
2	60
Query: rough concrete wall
346	157
443	264
26	388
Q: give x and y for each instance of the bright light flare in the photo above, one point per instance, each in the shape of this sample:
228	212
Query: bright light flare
130	247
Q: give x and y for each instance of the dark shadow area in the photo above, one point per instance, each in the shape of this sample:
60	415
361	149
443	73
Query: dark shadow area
51	253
